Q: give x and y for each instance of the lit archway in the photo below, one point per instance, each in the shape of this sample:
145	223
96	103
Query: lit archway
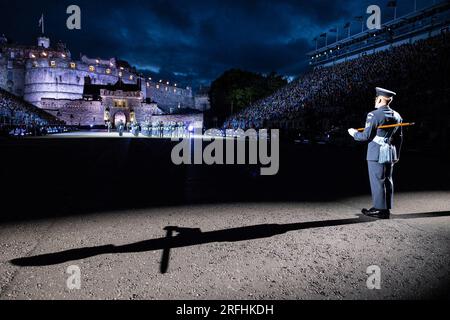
119	117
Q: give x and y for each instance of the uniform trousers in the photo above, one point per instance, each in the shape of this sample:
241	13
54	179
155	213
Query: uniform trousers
381	184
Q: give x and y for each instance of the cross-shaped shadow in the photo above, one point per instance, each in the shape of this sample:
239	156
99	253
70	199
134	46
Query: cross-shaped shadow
190	237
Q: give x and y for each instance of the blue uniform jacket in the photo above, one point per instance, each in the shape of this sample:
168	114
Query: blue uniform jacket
382	116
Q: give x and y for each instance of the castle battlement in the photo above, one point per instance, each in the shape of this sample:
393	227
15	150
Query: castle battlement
120	93
111	63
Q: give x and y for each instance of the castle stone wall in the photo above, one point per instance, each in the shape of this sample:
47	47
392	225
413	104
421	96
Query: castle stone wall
76	112
87	113
12	76
196	120
61	81
37	73
202	102
146	113
170	98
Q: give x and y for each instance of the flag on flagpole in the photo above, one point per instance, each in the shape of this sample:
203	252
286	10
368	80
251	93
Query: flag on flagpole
41	23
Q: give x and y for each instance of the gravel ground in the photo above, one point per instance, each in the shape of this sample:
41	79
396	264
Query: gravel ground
283	254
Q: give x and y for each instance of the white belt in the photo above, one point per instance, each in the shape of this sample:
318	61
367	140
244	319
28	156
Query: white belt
380	140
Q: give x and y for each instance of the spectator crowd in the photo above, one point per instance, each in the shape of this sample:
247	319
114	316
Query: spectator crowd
334	98
20	118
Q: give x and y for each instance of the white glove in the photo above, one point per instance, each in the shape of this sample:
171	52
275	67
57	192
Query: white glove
352	132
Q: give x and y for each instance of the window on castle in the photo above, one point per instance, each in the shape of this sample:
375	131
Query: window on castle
52	64
35	64
73	65
120	74
91	68
120	103
157	86
108	71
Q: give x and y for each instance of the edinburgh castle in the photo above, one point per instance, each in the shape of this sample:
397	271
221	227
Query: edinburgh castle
87	92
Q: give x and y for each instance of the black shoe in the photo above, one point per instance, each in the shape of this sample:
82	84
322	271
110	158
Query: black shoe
377	213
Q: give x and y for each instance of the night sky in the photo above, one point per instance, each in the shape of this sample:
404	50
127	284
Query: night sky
192	41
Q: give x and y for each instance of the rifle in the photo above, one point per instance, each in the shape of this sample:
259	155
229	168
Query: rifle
408	124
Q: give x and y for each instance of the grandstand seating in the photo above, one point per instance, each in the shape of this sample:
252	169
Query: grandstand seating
16	111
329	99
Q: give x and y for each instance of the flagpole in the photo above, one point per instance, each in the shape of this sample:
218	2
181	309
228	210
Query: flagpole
42	24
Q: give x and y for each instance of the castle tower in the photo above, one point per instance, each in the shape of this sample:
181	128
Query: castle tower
43	42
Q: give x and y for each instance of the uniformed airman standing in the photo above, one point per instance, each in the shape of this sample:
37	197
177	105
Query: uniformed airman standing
380	171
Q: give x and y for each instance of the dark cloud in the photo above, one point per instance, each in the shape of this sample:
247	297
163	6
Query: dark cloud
190	41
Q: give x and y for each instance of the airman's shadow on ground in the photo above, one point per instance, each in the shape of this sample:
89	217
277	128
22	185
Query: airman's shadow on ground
186	237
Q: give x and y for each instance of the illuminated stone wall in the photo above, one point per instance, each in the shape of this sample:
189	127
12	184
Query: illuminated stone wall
147	112
202	103
196	120
170	98
60	81
63	79
12	76
37	73
87	113
75	112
